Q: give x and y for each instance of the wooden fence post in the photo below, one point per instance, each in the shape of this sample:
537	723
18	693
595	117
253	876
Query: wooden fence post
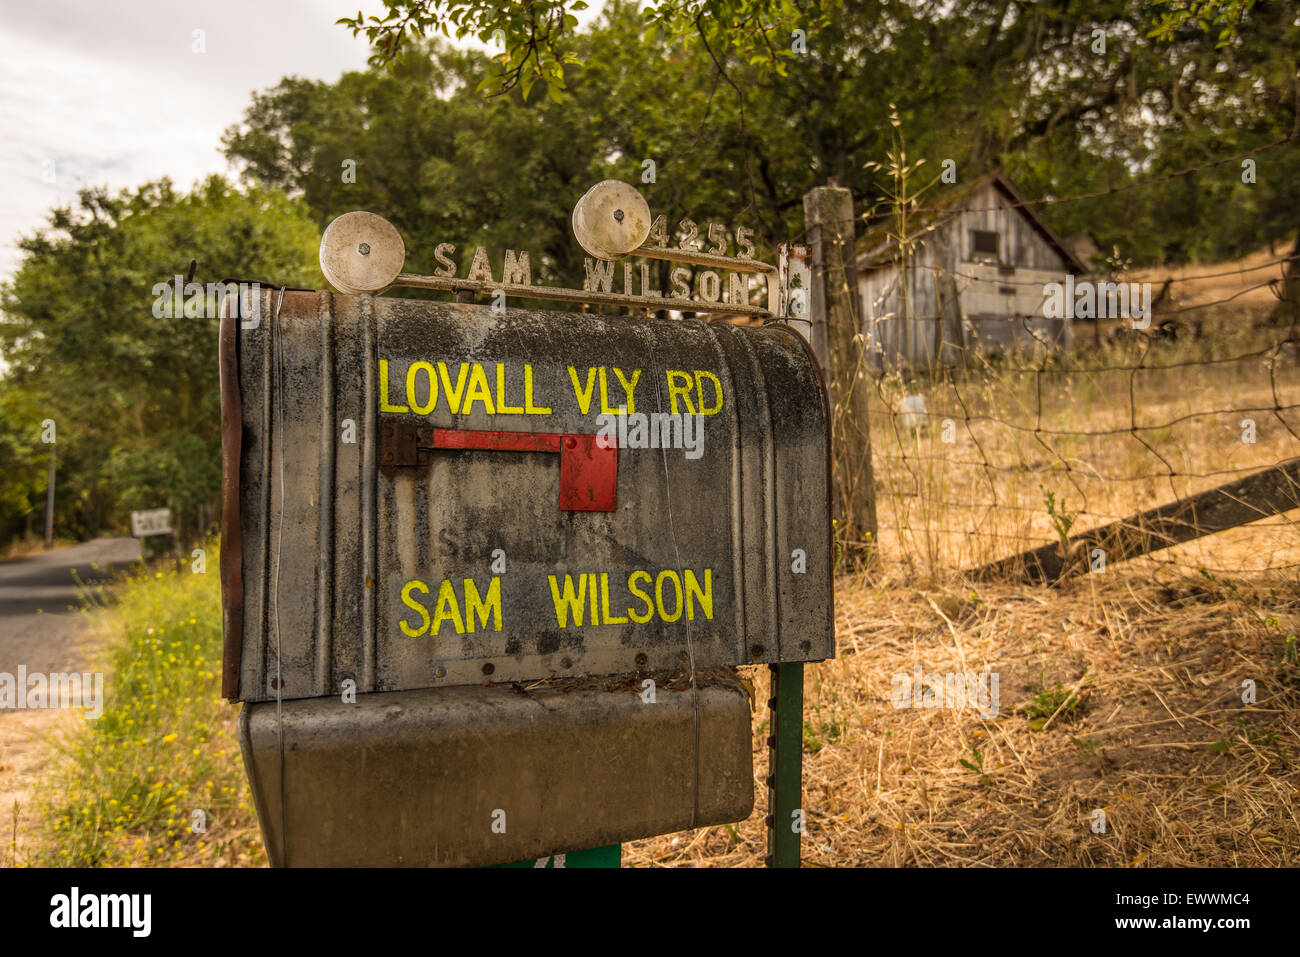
836	313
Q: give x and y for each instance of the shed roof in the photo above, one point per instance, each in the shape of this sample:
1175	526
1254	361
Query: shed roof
875	251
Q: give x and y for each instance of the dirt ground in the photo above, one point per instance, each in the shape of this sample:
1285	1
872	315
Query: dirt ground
26	753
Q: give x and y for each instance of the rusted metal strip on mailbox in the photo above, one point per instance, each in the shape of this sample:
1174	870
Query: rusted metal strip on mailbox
401	575
232	578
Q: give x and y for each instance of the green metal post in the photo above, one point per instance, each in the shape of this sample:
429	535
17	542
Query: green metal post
785	766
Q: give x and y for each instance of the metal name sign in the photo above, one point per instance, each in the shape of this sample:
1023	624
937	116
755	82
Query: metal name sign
155	521
363	253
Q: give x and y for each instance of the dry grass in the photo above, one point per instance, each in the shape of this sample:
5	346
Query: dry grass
1240	281
1186	774
31	545
1114	435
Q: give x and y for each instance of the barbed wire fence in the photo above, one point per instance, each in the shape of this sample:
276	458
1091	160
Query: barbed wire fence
1171	445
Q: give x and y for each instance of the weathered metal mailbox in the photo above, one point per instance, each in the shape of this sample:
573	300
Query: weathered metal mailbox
466	548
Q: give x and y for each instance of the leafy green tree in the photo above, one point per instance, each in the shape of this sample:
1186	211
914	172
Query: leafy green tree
417	145
134	395
23	462
1071	97
534	34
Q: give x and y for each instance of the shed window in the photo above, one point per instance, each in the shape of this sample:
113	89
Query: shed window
984	244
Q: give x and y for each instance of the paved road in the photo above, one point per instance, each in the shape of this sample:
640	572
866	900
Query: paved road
39	596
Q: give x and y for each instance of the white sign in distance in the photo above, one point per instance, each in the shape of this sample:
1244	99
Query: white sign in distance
155	521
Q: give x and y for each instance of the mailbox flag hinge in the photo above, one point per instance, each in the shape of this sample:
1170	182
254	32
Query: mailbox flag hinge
588	462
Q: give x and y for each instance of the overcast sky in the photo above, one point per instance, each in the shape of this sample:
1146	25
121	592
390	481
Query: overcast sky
98	92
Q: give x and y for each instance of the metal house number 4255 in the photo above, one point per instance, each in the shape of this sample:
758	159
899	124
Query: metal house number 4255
691	239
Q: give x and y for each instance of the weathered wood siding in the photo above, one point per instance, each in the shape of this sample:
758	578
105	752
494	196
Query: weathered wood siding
1001	303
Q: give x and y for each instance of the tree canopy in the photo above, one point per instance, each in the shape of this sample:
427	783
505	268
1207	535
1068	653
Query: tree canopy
1167	130
743	106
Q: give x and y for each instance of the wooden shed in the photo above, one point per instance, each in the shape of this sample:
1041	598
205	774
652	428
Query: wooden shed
974	279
